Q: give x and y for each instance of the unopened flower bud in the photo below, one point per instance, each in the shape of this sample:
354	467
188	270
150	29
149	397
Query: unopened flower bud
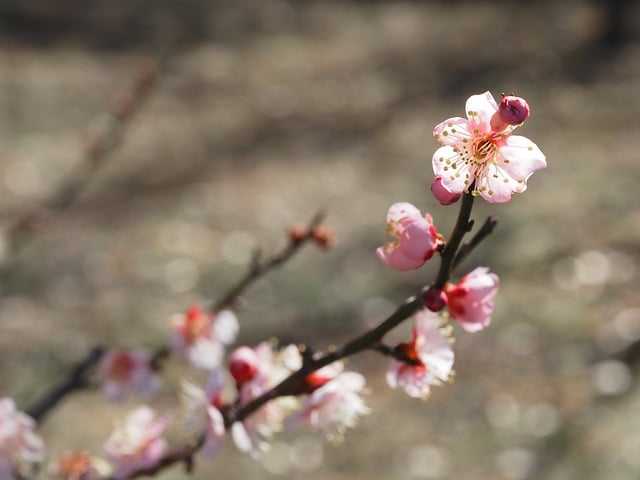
243	364
444	196
435	299
296	233
324	237
513	110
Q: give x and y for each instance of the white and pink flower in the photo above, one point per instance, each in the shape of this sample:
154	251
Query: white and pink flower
480	152
202	407
199	336
417	238
255	371
21	449
471	301
137	443
430	353
333	407
123	373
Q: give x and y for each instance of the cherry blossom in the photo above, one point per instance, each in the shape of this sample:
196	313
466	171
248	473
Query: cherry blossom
471	301
430	349
472	154
199	336
123	373
137	443
417	238
20	448
334	406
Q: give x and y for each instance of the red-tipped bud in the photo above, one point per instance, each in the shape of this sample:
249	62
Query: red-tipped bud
444	196
243	364
324	237
296	233
435	299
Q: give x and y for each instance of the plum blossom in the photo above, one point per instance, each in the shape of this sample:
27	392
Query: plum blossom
199	336
202	407
78	465
417	238
123	373
333	407
137	443
20	448
481	153
431	350
256	371
471	301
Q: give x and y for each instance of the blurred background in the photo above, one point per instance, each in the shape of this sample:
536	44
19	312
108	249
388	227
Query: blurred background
266	111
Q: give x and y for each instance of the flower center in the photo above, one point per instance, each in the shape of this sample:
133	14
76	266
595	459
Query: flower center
121	367
484	149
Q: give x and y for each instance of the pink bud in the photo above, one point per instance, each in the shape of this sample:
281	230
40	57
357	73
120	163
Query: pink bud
444	196
243	364
513	110
435	299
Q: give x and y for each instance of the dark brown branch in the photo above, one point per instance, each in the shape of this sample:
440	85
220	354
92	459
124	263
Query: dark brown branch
487	229
76	380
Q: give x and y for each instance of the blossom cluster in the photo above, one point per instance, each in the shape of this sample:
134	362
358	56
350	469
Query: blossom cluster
477	156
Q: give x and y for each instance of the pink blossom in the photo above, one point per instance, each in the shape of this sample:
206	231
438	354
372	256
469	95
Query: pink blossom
431	349
471	152
333	407
123	373
417	238
137	443
202	407
20	448
471	301
199	336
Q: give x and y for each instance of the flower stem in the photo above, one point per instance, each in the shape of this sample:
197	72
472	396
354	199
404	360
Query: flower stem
459	230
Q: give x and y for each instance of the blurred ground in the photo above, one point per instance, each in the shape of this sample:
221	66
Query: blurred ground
269	110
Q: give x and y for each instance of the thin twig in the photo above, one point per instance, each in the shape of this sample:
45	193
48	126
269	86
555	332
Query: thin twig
258	269
76	380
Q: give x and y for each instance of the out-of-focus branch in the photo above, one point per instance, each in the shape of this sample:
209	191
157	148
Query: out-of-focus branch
77	379
100	146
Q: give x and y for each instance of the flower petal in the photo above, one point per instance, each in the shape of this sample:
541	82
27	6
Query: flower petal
394	256
452	131
520	157
401	210
454	173
480	109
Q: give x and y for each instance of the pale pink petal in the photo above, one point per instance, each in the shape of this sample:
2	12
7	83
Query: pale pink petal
455	180
520	157
497	186
225	326
480	109
394	256
401	210
417	239
452	131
